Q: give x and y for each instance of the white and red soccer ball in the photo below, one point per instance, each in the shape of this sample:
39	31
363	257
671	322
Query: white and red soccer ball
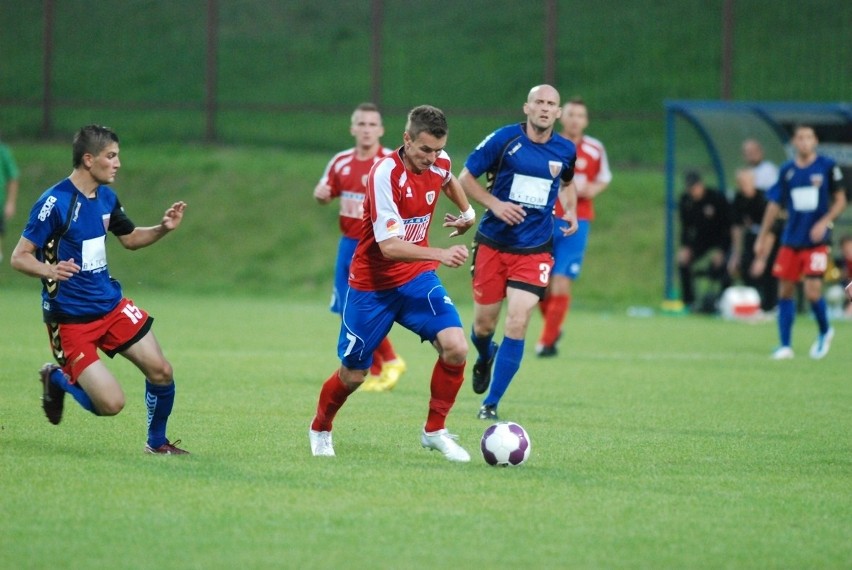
505	444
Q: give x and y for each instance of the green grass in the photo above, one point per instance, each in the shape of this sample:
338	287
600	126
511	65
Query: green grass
253	228
657	443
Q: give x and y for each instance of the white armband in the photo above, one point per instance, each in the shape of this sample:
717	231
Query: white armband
468	215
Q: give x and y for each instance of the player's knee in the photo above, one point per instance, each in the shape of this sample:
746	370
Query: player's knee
162	373
110	405
352	378
455	351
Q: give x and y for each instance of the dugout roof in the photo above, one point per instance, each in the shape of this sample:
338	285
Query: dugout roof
707	136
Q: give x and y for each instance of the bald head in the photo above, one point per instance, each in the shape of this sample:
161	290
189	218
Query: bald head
542	110
543	92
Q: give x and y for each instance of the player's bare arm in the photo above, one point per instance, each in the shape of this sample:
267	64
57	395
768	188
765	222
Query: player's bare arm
322	193
467	215
507	212
143	237
820	229
568	197
763	245
400	250
23	259
591	189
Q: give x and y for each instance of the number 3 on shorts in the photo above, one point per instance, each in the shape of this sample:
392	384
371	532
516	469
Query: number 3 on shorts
544	276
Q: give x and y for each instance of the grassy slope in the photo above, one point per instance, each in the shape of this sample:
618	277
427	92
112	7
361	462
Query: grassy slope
253	227
657	443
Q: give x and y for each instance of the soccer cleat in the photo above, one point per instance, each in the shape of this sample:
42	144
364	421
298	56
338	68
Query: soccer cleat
782	353
168	448
52	396
373	383
321	445
391	371
821	345
546	350
487	412
482	371
445	442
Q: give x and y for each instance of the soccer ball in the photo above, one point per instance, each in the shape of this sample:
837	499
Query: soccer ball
505	444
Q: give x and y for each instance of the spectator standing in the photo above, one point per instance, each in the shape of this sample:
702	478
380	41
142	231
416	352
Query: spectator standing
765	171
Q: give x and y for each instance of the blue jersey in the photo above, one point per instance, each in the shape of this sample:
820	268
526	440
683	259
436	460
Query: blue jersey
521	171
806	194
63	225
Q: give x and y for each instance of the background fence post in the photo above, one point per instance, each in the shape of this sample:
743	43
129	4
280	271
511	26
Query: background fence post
210	76
47	68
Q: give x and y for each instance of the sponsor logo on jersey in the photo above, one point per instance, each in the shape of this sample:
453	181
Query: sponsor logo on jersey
408	193
816	180
515	149
392	226
447	300
485	140
416	228
77	212
46	208
555	167
346	170
430	197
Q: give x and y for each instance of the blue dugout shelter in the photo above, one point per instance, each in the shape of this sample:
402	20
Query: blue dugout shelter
707	136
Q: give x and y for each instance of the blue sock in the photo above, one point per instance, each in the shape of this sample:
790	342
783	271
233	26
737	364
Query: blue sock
506	364
821	313
786	315
482	344
60	379
159	400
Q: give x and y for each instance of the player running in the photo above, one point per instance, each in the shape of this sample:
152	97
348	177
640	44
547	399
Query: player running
345	177
64	245
393	279
591	177
527	167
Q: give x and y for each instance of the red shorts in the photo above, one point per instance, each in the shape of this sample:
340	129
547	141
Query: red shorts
494	270
791	264
75	344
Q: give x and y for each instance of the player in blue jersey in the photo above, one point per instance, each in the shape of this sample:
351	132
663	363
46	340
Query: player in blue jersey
527	167
64	245
811	188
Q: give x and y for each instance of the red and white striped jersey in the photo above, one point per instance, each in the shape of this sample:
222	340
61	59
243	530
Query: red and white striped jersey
592	166
401	204
346	175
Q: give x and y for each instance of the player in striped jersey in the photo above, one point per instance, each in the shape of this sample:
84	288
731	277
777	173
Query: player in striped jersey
393	280
591	176
345	178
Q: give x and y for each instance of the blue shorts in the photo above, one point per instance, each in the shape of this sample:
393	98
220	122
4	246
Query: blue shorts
345	251
422	306
568	251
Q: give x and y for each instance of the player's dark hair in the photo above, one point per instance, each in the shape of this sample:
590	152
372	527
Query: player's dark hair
426	118
799	126
91	139
577	100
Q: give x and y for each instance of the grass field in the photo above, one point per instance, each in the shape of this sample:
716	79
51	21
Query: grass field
662	442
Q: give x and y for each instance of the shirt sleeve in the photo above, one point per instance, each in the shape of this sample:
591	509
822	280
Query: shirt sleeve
384	213
119	223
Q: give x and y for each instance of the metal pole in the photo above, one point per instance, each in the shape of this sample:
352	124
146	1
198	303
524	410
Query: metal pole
47	70
550	29
377	23
727	68
210	78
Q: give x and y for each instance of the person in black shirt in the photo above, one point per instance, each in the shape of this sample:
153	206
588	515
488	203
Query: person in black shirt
704	231
746	216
